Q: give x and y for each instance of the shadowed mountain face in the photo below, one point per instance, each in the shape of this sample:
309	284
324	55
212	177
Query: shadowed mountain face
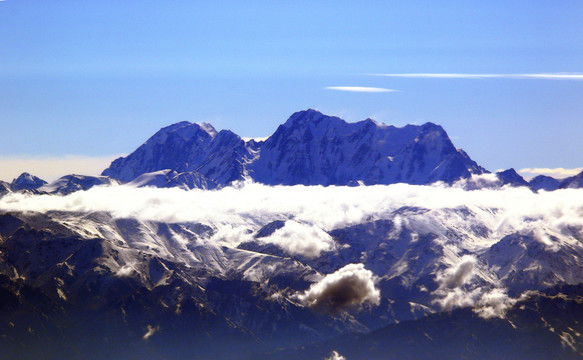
310	148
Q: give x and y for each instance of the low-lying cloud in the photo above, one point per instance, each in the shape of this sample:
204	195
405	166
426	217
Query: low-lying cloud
254	205
484	217
348	288
459	274
458	290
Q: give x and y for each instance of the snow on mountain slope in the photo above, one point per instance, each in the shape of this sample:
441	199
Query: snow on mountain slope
4	187
71	183
27	181
310	148
251	254
213	157
411	237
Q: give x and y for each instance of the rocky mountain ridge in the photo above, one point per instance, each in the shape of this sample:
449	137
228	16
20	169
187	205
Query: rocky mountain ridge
310	148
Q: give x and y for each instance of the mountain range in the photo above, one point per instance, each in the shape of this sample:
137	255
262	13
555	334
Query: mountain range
310	148
401	247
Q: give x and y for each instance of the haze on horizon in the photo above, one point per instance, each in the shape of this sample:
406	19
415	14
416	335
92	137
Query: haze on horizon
81	83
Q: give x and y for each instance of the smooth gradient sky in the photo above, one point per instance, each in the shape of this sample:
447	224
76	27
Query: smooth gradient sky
84	81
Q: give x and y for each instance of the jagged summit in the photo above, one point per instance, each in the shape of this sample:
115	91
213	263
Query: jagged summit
315	149
511	177
310	148
182	147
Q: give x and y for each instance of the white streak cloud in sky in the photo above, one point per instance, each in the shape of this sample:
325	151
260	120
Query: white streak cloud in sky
361	89
347	288
540	76
51	168
558	173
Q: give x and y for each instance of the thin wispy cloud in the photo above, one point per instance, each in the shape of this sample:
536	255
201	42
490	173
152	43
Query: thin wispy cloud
361	89
541	76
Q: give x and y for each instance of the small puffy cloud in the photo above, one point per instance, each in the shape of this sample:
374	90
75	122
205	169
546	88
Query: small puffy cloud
458	275
450	293
361	89
334	355
232	235
348	288
456	291
457	298
301	239
557	173
494	303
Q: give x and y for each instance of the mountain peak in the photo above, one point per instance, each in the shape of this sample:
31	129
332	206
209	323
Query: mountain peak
27	181
310	148
511	177
543	182
306	117
208	128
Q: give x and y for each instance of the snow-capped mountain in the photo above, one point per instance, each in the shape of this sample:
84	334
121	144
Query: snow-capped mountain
132	264
203	157
27	181
310	148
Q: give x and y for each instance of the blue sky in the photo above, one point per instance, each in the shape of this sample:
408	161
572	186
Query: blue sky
82	82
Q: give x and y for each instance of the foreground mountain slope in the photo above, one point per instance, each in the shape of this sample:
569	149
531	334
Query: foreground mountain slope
265	273
541	326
